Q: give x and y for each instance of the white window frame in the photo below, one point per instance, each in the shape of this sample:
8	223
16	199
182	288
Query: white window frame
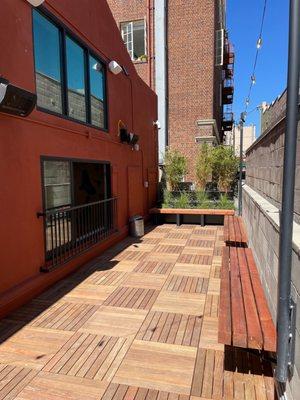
127	36
220	39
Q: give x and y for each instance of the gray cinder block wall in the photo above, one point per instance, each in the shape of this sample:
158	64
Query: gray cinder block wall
261	210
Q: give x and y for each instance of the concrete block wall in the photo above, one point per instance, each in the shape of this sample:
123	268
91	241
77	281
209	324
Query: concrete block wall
262	223
264	160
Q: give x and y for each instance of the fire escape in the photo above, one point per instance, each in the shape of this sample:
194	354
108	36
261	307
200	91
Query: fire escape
228	87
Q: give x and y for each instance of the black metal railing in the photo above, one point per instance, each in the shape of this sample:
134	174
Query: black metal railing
70	231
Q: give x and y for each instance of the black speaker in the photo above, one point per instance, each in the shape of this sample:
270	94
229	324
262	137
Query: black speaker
124	136
14	100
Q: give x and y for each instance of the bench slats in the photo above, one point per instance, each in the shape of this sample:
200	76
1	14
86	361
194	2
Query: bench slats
234	231
268	328
239	328
225	308
244	319
190	211
255	338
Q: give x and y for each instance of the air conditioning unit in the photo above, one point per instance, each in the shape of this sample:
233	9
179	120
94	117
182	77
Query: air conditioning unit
14	100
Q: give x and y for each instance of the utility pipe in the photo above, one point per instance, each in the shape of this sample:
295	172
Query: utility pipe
241	163
284	333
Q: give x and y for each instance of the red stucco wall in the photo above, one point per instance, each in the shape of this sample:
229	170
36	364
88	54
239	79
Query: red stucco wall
24	141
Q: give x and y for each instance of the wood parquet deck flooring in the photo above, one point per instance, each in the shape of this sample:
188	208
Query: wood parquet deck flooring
137	323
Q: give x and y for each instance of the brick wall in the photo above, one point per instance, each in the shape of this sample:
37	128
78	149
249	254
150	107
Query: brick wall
193	80
132	10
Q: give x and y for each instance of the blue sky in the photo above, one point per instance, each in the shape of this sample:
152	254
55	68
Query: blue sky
243	21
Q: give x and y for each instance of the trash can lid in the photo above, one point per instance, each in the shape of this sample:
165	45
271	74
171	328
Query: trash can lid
135	218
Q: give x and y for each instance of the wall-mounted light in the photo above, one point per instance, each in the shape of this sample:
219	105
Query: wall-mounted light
97	67
114	67
36	3
14	100
157	124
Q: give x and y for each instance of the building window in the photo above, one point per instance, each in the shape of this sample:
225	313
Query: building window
97	94
57	184
220	47
75	80
78	208
70	80
47	64
134	36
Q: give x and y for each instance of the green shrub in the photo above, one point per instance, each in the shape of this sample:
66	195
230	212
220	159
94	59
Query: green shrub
224	203
175	168
225	167
204	166
202	199
168	199
182	201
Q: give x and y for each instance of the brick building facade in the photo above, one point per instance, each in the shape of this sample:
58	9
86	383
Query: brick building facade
189	62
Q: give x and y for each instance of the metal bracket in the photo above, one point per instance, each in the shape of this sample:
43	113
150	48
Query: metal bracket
292	330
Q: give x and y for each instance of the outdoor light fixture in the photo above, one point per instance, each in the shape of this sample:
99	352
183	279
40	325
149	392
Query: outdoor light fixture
259	43
157	124
14	100
114	67
36	3
253	79
97	67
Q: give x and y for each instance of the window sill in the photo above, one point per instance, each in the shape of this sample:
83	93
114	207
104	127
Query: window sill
67	118
139	62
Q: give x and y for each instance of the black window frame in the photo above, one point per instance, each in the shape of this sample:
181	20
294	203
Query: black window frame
63	33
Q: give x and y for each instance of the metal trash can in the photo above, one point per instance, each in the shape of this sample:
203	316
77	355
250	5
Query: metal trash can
136	226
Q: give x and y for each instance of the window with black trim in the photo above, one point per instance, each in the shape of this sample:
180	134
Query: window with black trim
70	79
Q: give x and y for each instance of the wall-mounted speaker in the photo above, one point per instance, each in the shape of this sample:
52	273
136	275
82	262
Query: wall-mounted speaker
14	100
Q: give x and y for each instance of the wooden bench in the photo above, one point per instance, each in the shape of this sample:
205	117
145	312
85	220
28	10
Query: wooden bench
234	231
189	211
244	317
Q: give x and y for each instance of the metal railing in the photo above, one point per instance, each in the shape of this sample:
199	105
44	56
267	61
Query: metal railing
70	231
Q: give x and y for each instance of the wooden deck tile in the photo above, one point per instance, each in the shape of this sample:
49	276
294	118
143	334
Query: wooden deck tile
209	335
169	249
198	259
106	278
141	280
13	380
140	322
184	303
158	366
171	328
202	271
115	321
186	284
65	316
154	267
130	297
32	347
46	386
126	266
89	356
89	294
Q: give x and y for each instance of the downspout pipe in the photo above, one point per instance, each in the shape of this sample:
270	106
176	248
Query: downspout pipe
242	121
287	212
